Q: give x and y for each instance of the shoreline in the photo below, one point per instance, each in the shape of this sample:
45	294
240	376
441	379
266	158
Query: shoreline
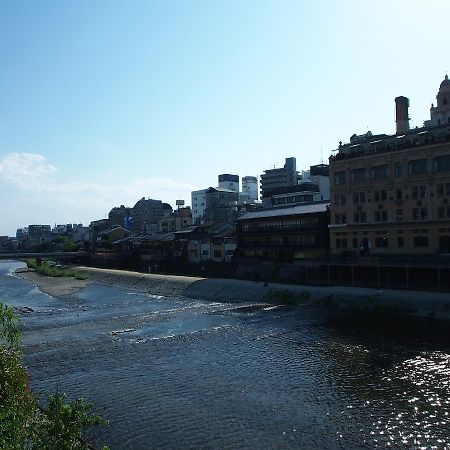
414	303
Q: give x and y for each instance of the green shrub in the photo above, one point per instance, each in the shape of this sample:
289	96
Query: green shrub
52	271
22	423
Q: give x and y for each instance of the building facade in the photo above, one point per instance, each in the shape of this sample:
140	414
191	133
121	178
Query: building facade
250	188
273	179
229	181
390	195
285	234
146	214
198	204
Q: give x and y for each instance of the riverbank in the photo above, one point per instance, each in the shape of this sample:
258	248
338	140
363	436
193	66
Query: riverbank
416	303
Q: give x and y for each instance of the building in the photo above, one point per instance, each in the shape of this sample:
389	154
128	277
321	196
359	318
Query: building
146	214
273	179
285	234
211	242
440	114
38	231
122	216
221	205
312	186
390	194
250	188
230	182
198	202
181	218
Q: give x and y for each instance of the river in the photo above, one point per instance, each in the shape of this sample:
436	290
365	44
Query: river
172	372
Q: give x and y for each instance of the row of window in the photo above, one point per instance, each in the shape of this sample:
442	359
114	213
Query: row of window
416	192
383	242
381	215
307	221
381	172
293	199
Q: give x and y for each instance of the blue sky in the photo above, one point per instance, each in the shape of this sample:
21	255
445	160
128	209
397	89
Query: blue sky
105	102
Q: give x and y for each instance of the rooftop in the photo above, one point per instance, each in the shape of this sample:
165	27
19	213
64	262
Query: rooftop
304	208
370	144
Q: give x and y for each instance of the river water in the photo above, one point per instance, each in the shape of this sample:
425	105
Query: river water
182	373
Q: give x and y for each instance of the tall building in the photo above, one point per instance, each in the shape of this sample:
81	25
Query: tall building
282	177
250	187
198	204
230	182
390	194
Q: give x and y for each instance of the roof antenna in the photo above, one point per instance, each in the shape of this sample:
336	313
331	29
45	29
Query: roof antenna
321	156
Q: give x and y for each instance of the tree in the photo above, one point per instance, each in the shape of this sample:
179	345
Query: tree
23	424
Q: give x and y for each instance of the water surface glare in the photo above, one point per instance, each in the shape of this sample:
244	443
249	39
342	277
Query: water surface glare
183	373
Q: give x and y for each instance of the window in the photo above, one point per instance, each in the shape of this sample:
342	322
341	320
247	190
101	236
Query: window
380	216
423	214
443	189
420	241
420	214
441	163
418	192
358	175
359	217
398	170
379	172
399	215
340	178
417	167
381	242
398	194
359	197
339	199
379	196
400	241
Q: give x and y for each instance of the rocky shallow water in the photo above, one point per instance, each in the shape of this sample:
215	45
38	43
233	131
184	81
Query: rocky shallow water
174	372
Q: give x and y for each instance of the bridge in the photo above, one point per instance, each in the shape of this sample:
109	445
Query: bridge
51	255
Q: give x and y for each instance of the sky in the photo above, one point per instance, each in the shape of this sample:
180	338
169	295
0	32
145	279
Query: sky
104	102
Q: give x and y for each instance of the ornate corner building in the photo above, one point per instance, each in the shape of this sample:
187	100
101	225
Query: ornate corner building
390	194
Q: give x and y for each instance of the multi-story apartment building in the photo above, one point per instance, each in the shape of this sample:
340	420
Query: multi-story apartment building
313	185
224	202
272	179
198	204
390	194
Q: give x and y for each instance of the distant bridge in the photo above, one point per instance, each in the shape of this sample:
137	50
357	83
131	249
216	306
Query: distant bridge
52	255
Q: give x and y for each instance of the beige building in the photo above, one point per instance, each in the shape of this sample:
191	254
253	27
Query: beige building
390	194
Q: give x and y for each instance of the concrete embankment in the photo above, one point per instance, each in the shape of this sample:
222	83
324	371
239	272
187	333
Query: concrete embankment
418	303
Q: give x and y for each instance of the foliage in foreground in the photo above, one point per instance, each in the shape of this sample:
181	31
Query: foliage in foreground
23	424
52	271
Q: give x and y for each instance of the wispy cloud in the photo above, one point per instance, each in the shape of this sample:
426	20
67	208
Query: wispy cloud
71	200
24	169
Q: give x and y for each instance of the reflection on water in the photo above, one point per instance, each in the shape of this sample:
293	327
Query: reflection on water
182	373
